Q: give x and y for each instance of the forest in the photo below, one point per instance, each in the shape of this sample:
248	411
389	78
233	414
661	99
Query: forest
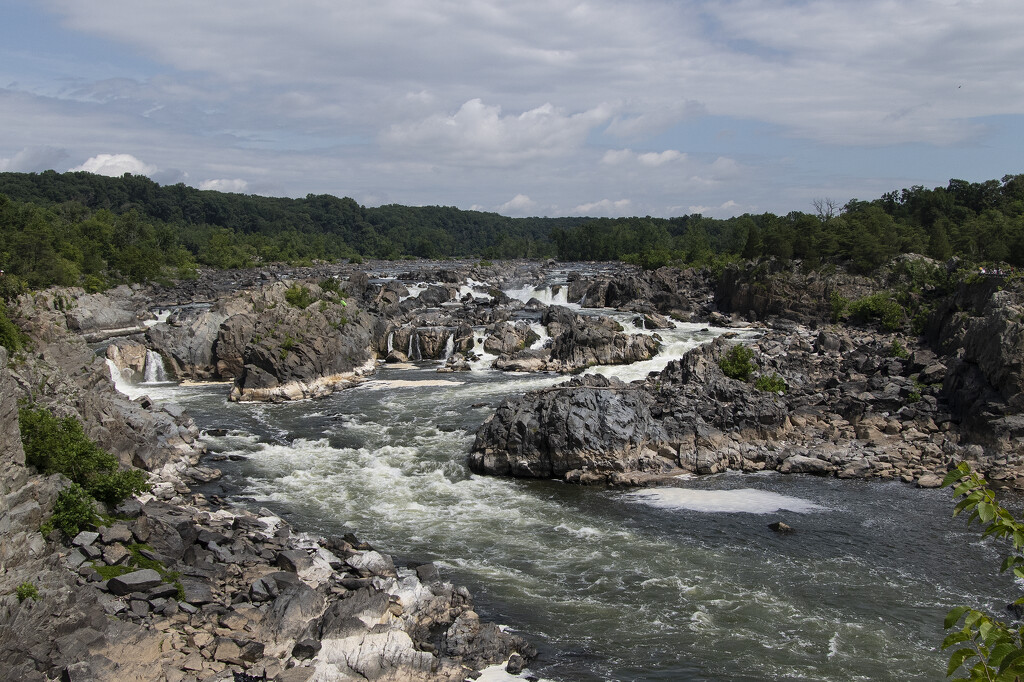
77	228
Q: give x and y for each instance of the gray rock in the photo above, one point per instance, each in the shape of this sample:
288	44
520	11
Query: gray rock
294	560
930	481
136	581
801	464
85	538
198	591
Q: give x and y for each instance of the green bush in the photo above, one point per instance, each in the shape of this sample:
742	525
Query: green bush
838	304
772	383
11	337
878	307
356	259
299	296
74	511
736	363
26	590
118	486
897	350
59	446
330	284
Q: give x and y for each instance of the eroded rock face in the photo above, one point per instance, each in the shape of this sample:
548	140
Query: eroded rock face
590	423
850	409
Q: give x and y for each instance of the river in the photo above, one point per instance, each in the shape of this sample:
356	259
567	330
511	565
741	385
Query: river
674	583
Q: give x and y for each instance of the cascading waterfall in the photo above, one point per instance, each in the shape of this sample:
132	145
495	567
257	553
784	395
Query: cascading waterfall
414	346
449	347
391	342
154	371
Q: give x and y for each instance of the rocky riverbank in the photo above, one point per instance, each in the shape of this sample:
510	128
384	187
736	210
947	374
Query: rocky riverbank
175	586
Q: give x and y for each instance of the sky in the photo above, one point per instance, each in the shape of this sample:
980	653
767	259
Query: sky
526	108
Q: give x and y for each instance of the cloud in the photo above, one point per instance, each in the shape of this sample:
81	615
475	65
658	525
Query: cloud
614	157
657	159
454	103
236	185
725	209
519	204
115	165
479	133
604	207
33	158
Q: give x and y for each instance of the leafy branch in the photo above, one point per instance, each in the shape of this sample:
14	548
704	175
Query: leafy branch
992	650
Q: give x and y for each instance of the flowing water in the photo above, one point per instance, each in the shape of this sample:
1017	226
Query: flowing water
676	583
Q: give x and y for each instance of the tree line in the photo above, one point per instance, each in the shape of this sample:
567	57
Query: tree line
96	231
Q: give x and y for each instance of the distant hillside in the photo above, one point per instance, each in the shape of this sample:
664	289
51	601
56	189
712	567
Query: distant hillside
80	228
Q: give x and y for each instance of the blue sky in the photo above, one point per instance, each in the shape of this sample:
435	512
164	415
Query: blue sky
538	107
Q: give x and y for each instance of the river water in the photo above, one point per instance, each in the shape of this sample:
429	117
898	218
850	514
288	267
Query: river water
675	583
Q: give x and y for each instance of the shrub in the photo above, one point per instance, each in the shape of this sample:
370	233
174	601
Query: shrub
26	590
116	487
331	285
11	337
772	383
74	511
838	304
356	259
896	350
59	446
299	296
736	363
879	307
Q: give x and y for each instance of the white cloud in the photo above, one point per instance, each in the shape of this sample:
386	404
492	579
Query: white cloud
659	158
115	165
225	185
614	157
479	133
518	205
604	207
725	209
33	158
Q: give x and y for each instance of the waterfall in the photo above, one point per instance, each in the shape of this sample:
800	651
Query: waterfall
414	346
449	347
391	342
154	371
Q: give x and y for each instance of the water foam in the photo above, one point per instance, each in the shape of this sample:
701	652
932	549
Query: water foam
744	500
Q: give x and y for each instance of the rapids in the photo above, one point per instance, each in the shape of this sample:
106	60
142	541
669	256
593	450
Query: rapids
673	583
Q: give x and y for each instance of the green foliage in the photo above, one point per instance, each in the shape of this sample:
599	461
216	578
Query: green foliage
985	648
914	397
116	487
11	336
878	307
287	345
331	285
897	350
772	383
59	446
838	304
26	590
299	296
74	511
736	363
355	259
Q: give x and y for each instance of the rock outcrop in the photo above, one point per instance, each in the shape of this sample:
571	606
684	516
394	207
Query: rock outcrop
851	409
